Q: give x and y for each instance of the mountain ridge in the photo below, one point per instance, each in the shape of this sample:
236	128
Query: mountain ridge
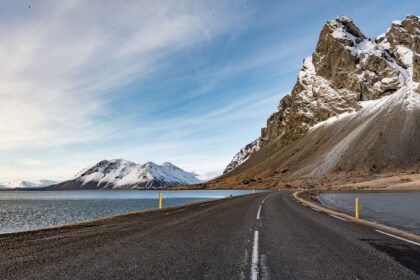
26	184
123	174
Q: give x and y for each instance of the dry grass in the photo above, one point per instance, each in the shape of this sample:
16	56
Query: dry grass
392	179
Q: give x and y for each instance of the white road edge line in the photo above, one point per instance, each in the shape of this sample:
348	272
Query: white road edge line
259	213
315	209
255	257
338	218
176	211
397	237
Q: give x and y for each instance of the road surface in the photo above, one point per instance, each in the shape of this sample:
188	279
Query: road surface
261	236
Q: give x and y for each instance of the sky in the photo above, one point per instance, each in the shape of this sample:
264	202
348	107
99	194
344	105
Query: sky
185	81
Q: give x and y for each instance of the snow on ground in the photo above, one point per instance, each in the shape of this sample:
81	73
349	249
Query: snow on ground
406	54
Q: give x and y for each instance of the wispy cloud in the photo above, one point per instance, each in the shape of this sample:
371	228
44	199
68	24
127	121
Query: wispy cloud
187	141
59	61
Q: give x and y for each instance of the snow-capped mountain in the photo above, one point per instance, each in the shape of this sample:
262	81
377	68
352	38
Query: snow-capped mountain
122	174
356	103
19	184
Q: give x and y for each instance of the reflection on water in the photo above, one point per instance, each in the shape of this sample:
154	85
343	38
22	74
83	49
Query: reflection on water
400	209
26	210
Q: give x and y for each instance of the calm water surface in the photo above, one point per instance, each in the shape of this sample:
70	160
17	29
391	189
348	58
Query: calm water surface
400	209
27	210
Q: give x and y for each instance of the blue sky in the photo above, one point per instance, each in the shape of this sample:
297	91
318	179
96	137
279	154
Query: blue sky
189	82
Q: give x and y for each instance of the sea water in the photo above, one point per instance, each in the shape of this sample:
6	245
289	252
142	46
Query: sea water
28	210
398	209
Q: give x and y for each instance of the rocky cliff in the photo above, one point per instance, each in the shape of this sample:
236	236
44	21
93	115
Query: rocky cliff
345	70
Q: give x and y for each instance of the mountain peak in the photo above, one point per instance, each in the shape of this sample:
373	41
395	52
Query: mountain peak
342	28
150	164
169	165
410	18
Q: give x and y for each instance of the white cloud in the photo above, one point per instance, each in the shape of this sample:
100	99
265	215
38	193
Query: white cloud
30	162
60	58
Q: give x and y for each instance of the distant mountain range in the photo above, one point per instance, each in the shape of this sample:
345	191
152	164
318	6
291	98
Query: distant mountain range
355	105
122	174
24	184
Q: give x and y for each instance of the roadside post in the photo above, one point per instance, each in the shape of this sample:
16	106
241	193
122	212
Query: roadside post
160	200
356	208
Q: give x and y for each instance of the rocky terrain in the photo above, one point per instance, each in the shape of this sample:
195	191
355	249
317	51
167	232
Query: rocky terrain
355	105
122	174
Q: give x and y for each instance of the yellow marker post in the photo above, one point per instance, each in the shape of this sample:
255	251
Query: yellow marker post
356	208
160	200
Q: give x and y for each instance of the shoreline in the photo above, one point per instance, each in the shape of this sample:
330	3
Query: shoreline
105	219
305	196
309	197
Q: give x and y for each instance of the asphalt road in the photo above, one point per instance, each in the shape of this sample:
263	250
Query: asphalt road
261	236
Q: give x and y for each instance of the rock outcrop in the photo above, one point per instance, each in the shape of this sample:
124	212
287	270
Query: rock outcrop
345	69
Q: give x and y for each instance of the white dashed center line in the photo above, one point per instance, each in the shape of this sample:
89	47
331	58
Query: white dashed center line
255	257
259	213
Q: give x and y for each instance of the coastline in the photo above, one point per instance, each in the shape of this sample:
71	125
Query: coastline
106	219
